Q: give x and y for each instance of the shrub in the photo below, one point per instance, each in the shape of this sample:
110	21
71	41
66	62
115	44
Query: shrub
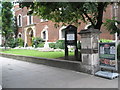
37	42
118	51
11	42
41	44
15	42
60	44
52	45
20	42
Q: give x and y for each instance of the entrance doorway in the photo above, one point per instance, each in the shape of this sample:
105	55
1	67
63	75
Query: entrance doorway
29	36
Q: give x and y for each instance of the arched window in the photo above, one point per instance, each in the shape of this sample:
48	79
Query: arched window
62	33
19	35
19	20
30	20
44	34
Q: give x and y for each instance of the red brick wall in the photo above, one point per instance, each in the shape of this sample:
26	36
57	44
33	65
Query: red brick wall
53	33
119	13
108	14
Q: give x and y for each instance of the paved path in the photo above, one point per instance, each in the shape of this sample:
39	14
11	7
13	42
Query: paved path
19	74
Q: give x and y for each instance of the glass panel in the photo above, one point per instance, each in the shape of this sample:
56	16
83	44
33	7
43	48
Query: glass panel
44	35
63	33
19	20
30	19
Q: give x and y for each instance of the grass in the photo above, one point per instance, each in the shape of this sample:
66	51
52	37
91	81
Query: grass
36	53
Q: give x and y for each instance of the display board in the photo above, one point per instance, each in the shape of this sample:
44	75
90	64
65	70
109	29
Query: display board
108	55
70	36
71	40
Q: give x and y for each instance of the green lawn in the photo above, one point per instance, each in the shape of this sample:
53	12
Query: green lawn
36	53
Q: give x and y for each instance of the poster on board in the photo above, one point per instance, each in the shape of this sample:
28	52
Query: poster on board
70	36
107	55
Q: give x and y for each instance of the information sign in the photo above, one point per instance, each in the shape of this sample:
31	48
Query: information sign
107	55
70	36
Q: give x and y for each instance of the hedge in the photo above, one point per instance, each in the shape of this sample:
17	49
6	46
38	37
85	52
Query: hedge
37	42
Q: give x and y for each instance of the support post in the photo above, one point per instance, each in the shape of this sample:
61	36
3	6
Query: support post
89	49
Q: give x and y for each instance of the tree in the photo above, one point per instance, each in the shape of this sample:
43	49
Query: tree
112	26
15	26
69	12
7	16
0	26
0	18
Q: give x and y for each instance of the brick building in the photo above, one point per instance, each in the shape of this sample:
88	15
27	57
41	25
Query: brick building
33	26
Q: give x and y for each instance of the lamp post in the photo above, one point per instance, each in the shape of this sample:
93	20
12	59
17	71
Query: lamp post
116	7
116	34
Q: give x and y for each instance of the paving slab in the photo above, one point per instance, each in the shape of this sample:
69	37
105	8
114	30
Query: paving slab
20	74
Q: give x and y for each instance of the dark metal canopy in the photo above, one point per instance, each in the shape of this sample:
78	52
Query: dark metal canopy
90	30
71	27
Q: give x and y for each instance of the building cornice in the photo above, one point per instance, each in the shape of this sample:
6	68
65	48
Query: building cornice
17	9
30	25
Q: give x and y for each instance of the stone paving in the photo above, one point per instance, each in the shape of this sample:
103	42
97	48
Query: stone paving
0	75
20	74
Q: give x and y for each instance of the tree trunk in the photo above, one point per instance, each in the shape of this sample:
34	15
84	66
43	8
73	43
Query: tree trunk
5	44
100	15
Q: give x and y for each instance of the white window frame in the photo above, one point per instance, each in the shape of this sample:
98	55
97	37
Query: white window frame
20	20
19	34
46	30
28	23
60	33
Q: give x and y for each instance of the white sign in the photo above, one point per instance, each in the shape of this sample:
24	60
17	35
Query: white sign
101	50
70	36
112	50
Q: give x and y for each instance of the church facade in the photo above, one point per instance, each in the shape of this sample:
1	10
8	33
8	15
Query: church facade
33	26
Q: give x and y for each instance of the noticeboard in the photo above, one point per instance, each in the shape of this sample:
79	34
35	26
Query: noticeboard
108	55
71	36
71	40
